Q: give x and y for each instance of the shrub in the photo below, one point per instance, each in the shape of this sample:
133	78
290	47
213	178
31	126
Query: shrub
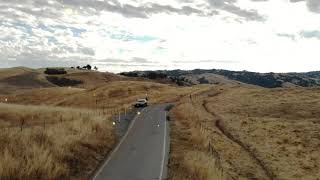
203	80
55	71
63	81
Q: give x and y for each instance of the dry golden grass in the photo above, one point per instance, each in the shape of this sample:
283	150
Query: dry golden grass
9	72
112	95
91	79
14	80
249	132
40	96
63	133
190	154
11	115
52	143
279	126
17	79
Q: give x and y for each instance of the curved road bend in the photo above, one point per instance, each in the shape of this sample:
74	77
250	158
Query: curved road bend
142	154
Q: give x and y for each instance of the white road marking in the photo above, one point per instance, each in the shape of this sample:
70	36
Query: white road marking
164	146
117	147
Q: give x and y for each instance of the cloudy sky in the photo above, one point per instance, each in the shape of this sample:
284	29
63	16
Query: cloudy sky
123	35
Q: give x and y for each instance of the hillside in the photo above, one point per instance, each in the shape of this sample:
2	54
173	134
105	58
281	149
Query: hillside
220	128
53	132
208	78
215	76
242	132
89	79
20	78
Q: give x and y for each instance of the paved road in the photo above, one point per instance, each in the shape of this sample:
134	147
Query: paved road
143	152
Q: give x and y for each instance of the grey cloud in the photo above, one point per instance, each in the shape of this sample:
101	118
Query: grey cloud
39	60
313	5
124	65
37	8
128	10
53	10
141	60
218	61
291	36
62	49
112	60
229	6
310	34
86	51
138	60
186	10
248	14
204	61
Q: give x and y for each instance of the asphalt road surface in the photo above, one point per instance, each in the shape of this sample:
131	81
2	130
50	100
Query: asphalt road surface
142	154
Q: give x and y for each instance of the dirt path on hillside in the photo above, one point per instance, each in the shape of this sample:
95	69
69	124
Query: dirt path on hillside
219	124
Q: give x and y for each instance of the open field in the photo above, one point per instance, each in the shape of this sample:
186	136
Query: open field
41	142
226	131
51	132
242	132
109	96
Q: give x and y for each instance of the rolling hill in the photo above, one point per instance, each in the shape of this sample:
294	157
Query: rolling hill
50	131
21	78
215	76
224	124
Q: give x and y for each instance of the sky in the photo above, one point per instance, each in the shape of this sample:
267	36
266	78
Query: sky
127	35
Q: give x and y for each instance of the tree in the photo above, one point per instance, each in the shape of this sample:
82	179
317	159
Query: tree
95	68
88	67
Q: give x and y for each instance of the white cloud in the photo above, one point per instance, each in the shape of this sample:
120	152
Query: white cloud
271	35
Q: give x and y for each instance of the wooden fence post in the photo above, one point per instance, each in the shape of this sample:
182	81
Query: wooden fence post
22	123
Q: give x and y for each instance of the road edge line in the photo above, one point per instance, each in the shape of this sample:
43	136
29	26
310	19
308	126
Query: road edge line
116	148
164	147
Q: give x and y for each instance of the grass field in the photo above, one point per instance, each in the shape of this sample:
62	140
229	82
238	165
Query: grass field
41	142
65	132
230	131
242	132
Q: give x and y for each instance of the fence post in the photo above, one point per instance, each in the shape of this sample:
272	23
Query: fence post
119	116
22	122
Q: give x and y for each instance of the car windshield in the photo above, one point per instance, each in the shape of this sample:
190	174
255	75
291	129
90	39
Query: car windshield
141	100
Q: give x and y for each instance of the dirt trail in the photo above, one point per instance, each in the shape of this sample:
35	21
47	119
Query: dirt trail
218	123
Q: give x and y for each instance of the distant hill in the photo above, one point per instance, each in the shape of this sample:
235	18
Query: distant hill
217	76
